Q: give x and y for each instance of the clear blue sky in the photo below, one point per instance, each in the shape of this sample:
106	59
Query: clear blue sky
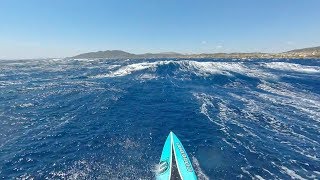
59	28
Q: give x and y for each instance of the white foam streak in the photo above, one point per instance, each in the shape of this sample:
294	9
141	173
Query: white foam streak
224	68
284	66
206	103
305	102
201	175
258	177
291	173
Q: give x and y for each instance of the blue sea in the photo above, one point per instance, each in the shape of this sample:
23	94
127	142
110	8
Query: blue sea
108	119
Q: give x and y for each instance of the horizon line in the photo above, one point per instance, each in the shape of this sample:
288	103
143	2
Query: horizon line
165	52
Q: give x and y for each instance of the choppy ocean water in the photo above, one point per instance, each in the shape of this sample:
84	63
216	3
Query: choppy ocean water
108	119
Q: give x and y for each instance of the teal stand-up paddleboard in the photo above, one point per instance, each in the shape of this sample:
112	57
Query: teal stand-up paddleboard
173	148
164	168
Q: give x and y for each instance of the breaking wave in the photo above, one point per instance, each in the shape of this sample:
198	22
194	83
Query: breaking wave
203	69
285	66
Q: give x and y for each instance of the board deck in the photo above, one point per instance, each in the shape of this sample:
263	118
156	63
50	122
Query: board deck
165	165
173	148
184	165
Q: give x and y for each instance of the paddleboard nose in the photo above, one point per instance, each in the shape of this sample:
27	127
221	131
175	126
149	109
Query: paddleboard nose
173	148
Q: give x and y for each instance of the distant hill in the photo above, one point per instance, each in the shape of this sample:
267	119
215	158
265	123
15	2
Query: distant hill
305	52
118	54
109	54
313	52
160	55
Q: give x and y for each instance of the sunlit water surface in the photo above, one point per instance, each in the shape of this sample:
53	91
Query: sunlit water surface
108	119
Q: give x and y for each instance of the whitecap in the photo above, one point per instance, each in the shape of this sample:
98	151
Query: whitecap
284	66
224	68
26	105
147	76
126	70
291	173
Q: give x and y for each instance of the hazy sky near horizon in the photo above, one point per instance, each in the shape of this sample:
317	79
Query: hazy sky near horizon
60	28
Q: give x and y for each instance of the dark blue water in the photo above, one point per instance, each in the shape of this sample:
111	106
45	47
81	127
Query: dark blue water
108	119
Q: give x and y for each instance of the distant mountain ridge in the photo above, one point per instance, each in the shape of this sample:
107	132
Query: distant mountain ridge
118	54
305	50
312	52
105	54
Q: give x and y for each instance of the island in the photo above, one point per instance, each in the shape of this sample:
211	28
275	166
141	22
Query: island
313	52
